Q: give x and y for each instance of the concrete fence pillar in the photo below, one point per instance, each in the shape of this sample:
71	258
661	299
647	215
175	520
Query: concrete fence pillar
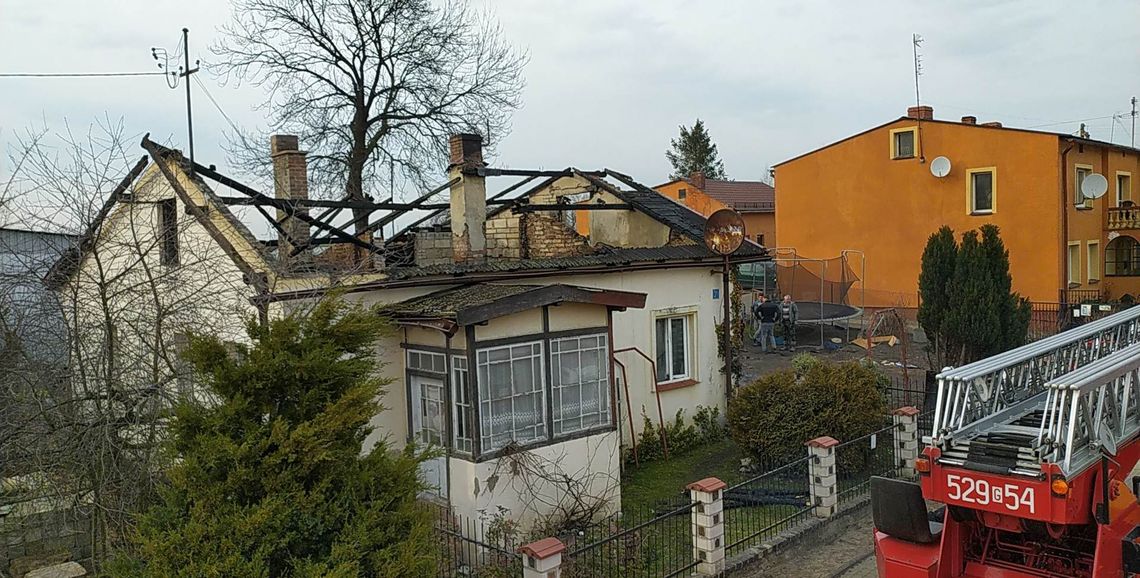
906	439
821	470
543	559
708	525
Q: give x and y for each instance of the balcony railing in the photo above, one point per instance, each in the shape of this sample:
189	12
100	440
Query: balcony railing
1120	218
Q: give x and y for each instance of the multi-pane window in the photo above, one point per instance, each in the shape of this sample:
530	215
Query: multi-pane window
672	347
1078	197
903	144
425	361
512	400
1122	257
462	406
981	192
168	231
580	383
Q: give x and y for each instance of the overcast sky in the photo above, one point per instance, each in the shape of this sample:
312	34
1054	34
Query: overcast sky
609	81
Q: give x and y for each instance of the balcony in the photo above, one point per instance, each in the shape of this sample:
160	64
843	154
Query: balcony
1121	218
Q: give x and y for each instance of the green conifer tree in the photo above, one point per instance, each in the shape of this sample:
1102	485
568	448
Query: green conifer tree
938	261
972	325
1013	309
693	152
270	481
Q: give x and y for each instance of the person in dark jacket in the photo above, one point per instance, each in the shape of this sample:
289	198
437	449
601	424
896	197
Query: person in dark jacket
767	313
789	315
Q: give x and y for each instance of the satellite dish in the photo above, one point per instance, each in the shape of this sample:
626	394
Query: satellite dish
1106	438
1094	186
724	231
940	167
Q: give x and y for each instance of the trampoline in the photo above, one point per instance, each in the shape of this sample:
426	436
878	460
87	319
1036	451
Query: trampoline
812	312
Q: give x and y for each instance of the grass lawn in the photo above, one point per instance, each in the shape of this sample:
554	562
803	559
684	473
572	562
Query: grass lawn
663	481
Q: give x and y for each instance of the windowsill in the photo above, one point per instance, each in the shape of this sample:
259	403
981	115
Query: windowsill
910	158
670	385
981	213
1093	281
1082	208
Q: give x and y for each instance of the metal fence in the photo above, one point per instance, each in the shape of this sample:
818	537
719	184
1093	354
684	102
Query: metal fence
857	460
474	548
761	507
640	545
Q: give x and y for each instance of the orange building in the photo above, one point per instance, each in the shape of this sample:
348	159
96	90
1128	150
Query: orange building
875	192
754	200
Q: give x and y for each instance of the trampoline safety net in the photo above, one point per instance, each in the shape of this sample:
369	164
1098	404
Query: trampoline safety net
821	287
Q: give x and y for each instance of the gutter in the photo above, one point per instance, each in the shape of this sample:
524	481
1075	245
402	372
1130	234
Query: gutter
463	278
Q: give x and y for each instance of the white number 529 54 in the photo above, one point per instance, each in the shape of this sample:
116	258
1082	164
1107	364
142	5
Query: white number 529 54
983	493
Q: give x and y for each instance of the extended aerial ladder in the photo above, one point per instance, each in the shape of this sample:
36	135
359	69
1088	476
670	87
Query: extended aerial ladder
1014	456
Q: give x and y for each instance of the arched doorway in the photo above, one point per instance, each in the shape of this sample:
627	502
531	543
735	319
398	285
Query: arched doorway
1122	257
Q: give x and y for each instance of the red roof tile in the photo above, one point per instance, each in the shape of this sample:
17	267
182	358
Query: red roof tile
543	548
744	196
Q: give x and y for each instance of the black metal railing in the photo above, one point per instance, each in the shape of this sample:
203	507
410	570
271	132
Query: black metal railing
637	544
857	460
468	547
760	508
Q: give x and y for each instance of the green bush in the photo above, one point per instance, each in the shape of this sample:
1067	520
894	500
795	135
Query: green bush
704	429
775	415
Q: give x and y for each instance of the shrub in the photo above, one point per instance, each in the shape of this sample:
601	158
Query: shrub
709	428
772	417
704	429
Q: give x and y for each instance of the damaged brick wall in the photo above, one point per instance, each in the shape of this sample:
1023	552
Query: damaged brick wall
503	239
433	248
547	235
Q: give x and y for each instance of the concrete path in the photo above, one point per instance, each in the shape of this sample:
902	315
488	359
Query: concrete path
850	554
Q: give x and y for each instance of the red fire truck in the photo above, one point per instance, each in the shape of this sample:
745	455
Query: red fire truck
1032	457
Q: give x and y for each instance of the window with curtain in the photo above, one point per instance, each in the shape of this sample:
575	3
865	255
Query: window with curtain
982	192
512	400
580	388
672	348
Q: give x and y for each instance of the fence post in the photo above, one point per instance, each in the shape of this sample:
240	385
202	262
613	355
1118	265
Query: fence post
824	482
543	559
708	525
906	439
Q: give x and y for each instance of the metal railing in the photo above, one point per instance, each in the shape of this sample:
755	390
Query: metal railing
857	460
474	547
661	546
973	392
759	508
1078	405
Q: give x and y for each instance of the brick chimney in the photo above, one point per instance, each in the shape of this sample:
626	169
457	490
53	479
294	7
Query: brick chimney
698	180
969	120
468	198
992	124
290	181
921	112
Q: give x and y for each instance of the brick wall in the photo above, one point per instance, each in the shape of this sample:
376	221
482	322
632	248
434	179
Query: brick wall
548	236
503	239
433	248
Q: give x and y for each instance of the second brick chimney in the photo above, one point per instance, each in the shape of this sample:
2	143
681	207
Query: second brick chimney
290	181
920	112
468	198
969	120
698	179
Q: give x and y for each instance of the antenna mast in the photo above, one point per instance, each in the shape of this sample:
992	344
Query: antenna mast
917	41
1133	122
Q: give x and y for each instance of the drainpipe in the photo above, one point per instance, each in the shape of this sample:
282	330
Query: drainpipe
1064	254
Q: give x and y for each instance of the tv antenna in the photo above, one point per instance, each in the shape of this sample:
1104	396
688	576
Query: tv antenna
1133	122
917	40
184	71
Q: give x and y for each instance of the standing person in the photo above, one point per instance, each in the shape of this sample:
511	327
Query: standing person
768	313
789	314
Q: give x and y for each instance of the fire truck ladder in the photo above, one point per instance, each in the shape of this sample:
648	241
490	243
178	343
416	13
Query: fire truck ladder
991	415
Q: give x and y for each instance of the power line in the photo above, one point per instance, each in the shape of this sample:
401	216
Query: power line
210	97
74	74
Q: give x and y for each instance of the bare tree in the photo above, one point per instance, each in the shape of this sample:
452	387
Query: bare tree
141	275
369	84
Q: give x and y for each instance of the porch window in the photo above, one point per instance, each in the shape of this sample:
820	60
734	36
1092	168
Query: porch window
580	391
461	409
512	400
425	361
672	347
1122	257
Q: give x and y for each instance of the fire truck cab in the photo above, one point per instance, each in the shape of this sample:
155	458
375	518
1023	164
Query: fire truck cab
1032	458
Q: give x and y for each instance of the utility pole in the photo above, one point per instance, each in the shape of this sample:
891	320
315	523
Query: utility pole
186	72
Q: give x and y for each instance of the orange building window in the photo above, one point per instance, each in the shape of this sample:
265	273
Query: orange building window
982	192
681	194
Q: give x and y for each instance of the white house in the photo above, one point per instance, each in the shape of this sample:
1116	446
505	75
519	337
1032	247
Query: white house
527	351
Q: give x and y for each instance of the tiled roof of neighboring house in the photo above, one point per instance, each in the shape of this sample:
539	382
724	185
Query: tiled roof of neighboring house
479	302
743	196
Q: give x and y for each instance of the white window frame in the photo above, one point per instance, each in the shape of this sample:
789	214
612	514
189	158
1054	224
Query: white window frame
414	363
486	430
1074	265
1079	200
461	407
572	346
1127	194
1092	255
671	376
